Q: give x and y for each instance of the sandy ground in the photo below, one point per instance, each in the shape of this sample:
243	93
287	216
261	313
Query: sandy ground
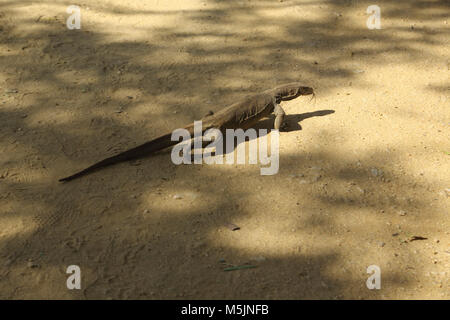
354	185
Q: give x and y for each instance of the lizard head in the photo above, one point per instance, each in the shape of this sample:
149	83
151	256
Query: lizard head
291	91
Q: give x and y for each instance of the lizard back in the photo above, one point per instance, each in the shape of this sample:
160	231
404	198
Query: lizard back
245	113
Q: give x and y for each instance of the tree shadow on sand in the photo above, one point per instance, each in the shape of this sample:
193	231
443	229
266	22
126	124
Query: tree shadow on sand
80	95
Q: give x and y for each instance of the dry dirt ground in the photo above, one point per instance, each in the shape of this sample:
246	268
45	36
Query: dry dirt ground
364	168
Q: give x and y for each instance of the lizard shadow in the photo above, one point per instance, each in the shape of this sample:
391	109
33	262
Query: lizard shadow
291	121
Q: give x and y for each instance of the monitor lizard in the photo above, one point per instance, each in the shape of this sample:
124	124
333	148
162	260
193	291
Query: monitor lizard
243	114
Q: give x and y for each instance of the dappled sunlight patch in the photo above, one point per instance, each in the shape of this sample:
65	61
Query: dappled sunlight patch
76	80
16	220
178	202
59	117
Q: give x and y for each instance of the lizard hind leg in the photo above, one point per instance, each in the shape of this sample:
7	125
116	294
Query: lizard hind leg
279	116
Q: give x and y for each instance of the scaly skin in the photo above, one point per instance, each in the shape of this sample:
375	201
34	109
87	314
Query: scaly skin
243	114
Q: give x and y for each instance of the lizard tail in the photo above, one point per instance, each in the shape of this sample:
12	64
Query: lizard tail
137	152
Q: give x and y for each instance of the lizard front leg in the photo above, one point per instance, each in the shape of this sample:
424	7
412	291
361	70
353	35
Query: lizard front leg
279	116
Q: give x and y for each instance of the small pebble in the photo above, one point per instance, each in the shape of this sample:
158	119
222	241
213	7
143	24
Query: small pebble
232	226
177	197
381	244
